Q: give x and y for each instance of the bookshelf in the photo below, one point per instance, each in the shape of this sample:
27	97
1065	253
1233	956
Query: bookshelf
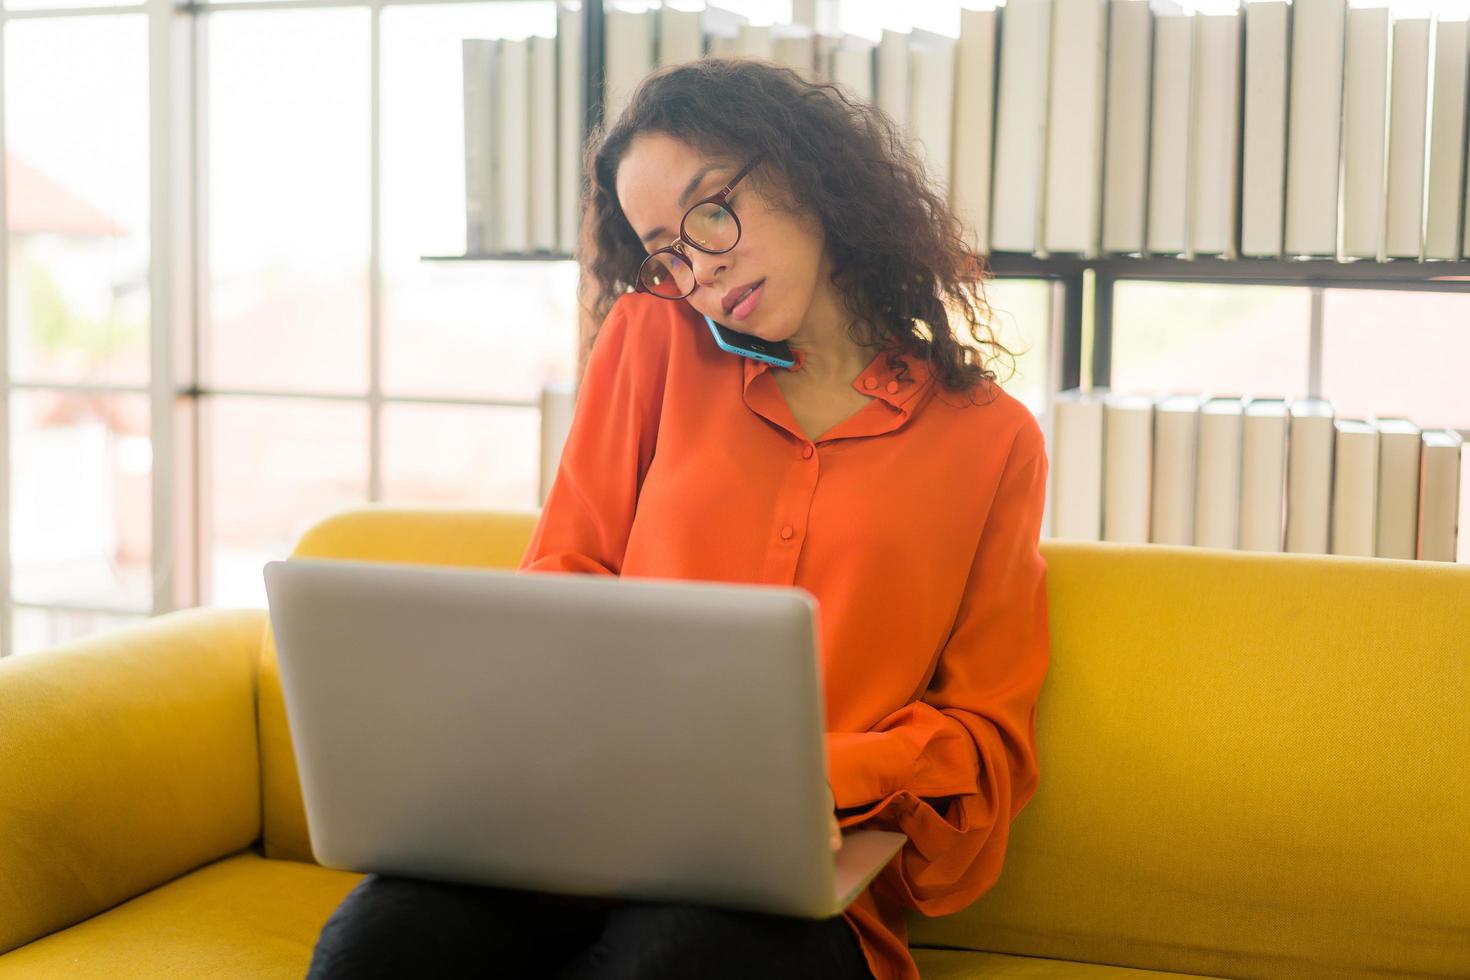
1078	278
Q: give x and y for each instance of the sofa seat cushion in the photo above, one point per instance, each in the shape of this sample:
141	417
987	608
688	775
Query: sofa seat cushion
242	916
962	964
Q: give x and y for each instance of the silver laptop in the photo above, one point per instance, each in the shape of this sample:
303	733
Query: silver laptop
572	734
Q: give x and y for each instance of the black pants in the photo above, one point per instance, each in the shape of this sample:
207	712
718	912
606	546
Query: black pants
400	927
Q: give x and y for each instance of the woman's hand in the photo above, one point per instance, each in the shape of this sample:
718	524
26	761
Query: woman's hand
836	832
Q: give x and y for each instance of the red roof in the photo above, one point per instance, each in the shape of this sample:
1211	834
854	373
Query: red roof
36	203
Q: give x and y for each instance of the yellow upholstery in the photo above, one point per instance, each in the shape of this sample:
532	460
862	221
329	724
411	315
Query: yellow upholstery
243	916
126	760
1252	766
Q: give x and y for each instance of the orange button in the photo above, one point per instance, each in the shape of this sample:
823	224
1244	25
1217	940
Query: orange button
893	387
871	383
807	453
786	532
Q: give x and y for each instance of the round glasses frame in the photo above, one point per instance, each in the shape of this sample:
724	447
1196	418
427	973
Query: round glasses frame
677	248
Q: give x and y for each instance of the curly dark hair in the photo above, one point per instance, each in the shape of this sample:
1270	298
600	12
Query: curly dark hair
899	261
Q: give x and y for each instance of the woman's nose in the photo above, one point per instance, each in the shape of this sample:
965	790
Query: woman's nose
706	267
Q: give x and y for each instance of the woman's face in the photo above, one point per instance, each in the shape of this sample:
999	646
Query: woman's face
781	252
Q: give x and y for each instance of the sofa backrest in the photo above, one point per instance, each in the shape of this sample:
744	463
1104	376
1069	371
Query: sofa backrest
426	536
1252	765
127	758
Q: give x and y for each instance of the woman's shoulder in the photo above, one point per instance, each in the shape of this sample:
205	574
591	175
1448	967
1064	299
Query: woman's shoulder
991	416
646	324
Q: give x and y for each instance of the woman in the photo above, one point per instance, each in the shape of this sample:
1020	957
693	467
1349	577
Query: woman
883	471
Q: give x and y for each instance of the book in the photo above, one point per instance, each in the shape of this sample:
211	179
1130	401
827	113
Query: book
1400	442
1263	160
1128	422
1176	444
542	122
1365	131
512	130
1314	130
973	139
1071	208
1263	474
852	65
755	41
1218	473
680	38
1355	488
1439	495
629	57
1076	465
1309	476
795	46
1020	126
1214	135
893	76
1403	227
570	122
721	29
1447	141
931	103
1168	161
1125	130
481	178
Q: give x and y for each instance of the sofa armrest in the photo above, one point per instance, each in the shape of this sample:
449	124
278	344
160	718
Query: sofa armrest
126	759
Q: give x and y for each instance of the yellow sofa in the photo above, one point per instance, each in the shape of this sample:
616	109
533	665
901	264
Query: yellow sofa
1252	766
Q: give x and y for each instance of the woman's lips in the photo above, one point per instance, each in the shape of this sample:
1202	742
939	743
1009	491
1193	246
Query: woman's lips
747	306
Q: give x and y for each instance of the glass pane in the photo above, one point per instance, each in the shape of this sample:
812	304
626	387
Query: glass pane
275	467
457	329
77	209
1022	319
80	499
39	630
289	205
1393	352
1210	339
461	456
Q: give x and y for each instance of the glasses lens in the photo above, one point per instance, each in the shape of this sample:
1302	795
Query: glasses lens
711	227
667	275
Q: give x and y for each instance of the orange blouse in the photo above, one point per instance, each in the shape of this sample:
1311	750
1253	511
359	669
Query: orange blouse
915	524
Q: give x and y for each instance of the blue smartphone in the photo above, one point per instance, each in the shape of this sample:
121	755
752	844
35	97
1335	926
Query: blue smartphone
746	345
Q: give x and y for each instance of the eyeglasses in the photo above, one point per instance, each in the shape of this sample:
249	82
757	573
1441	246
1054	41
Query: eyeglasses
709	225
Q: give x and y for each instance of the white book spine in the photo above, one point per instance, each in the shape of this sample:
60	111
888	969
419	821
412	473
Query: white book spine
1315	130
755	41
1365	132
1355	490
974	114
1077	468
628	36
1020	132
1217	485
1168	167
569	122
852	68
1176	444
1447	141
1071	209
931	107
1127	469
481	203
1263	180
1439	495
543	143
1398	493
893	76
679	37
1262	482
513	144
1309	484
1403	229
1214	136
1125	151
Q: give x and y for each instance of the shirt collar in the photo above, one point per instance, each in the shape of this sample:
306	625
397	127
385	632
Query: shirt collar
877	380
